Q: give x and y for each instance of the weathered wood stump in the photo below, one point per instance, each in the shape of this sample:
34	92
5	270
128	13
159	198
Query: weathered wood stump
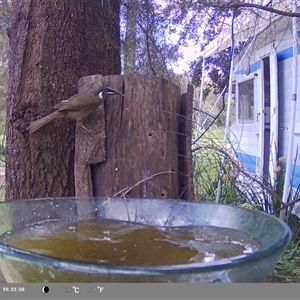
133	147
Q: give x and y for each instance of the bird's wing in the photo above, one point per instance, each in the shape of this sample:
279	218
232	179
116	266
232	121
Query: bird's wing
75	103
60	104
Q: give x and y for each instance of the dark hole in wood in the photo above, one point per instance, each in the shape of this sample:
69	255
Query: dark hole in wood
150	134
94	181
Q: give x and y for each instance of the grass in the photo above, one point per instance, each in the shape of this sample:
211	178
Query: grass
206	170
288	268
209	158
206	164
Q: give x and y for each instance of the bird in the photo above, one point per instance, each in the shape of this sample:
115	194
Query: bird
76	107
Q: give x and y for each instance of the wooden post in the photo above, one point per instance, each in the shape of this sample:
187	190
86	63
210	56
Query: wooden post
138	157
90	145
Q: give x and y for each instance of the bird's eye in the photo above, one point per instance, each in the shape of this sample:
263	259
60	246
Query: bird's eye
100	95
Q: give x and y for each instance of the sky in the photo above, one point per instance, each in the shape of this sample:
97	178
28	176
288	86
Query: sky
190	53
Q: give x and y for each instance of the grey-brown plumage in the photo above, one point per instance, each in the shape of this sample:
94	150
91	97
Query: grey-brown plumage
77	107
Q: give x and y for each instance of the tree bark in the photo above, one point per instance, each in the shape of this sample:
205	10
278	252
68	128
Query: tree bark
141	140
130	43
53	44
90	147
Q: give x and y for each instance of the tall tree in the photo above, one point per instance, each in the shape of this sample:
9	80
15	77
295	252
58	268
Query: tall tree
53	44
130	40
147	48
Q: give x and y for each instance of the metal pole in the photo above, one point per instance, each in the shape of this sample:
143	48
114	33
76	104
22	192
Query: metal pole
226	133
227	123
287	180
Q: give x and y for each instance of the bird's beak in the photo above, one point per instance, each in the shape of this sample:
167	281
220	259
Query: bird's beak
119	93
112	92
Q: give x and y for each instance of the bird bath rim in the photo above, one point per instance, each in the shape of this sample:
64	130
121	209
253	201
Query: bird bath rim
192	267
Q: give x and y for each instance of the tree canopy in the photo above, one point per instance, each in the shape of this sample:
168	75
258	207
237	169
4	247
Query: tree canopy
155	31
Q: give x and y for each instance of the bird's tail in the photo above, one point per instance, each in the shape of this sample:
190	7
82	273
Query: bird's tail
35	125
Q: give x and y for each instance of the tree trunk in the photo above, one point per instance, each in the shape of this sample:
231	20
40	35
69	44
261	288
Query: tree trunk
53	44
141	140
131	36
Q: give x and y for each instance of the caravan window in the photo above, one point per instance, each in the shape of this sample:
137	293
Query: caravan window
245	100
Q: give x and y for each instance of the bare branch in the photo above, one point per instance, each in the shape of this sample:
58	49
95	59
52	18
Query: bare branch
125	191
239	4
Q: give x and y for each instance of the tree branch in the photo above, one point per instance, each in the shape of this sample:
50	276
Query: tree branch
238	4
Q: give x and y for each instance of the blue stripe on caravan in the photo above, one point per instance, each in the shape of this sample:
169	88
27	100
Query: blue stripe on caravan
295	174
253	68
281	56
287	53
248	160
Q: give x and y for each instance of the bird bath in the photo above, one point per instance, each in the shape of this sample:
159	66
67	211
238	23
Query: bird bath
186	241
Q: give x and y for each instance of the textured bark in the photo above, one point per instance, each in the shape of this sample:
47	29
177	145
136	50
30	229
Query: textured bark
141	139
140	146
90	145
130	42
53	44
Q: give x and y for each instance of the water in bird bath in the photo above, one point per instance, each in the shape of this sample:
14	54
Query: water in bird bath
122	243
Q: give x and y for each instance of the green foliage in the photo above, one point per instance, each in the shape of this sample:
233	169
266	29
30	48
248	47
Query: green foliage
145	28
289	264
245	193
216	167
207	169
217	69
153	32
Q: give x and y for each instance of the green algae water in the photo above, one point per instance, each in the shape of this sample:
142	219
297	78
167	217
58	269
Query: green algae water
128	244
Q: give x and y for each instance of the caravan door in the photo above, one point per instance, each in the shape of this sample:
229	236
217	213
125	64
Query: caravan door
273	115
268	123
